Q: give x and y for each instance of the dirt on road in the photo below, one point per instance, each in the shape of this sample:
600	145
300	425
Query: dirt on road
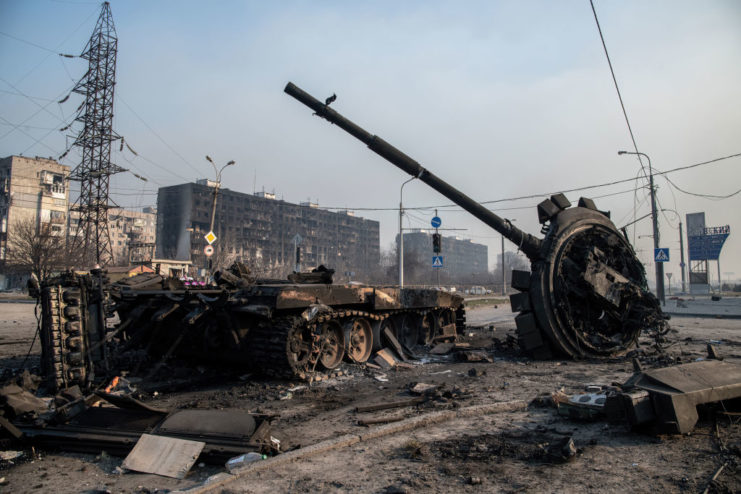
494	452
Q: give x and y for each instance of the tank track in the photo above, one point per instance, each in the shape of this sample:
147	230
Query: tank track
62	345
290	347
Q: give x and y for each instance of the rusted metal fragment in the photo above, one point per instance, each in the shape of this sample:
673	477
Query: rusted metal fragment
674	394
164	456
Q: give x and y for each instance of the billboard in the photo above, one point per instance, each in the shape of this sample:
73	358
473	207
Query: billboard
707	246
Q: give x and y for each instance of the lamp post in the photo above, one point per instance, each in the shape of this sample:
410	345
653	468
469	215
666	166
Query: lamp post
655	220
217	171
401	234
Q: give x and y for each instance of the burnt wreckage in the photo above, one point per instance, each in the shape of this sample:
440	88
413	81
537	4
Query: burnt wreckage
286	328
586	295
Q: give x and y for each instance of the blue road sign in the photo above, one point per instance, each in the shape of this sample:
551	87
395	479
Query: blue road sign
661	254
436	222
437	261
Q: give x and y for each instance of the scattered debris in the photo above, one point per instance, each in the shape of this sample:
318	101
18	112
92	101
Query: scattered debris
422	388
241	460
385	359
442	348
583	406
474	356
165	456
668	397
389	336
474	372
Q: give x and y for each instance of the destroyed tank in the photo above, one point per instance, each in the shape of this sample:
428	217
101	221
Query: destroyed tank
586	294
301	327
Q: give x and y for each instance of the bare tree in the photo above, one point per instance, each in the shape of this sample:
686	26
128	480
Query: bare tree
36	249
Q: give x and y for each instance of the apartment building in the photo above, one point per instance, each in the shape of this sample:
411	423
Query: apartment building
260	229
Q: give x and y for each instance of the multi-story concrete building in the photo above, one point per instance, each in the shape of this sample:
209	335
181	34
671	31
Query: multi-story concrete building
260	230
132	235
461	257
32	189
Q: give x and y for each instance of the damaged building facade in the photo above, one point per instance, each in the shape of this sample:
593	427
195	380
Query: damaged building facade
31	189
259	230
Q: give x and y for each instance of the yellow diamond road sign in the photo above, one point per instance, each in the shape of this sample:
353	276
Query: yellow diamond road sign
210	237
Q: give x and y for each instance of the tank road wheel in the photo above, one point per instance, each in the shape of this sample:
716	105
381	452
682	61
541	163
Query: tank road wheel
429	328
378	327
299	347
443	319
332	345
358	339
408	329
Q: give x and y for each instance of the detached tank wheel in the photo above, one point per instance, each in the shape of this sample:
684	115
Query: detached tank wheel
358	340
333	345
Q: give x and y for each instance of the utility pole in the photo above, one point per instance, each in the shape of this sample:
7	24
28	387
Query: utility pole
401	233
681	254
655	221
95	138
504	276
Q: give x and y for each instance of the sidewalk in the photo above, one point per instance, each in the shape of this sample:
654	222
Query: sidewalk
703	306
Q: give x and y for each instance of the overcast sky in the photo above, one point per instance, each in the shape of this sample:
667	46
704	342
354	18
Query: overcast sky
501	99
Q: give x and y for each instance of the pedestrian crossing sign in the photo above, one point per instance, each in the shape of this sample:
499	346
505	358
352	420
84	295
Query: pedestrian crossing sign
661	255
437	261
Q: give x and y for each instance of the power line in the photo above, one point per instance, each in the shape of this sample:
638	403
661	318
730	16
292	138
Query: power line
617	88
35	45
545	194
198	172
706	196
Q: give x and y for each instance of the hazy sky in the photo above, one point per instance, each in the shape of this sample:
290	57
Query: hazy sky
500	98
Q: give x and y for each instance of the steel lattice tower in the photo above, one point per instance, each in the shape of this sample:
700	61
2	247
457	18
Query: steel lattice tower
95	139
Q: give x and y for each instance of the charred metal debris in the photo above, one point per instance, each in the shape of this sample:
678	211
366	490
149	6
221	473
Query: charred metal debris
114	422
299	328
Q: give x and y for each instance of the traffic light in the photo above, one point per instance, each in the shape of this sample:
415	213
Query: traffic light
436	243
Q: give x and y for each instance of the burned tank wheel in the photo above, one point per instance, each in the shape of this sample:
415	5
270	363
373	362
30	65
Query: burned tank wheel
299	347
378	328
430	327
280	347
358	339
408	327
332	340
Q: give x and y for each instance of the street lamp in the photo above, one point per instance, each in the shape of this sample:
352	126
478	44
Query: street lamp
217	171
655	220
401	234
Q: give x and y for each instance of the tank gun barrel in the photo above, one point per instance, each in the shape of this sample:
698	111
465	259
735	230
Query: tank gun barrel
527	243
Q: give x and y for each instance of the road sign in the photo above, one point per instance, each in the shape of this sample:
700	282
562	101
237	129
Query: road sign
210	237
297	239
208	250
437	261
436	222
661	254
